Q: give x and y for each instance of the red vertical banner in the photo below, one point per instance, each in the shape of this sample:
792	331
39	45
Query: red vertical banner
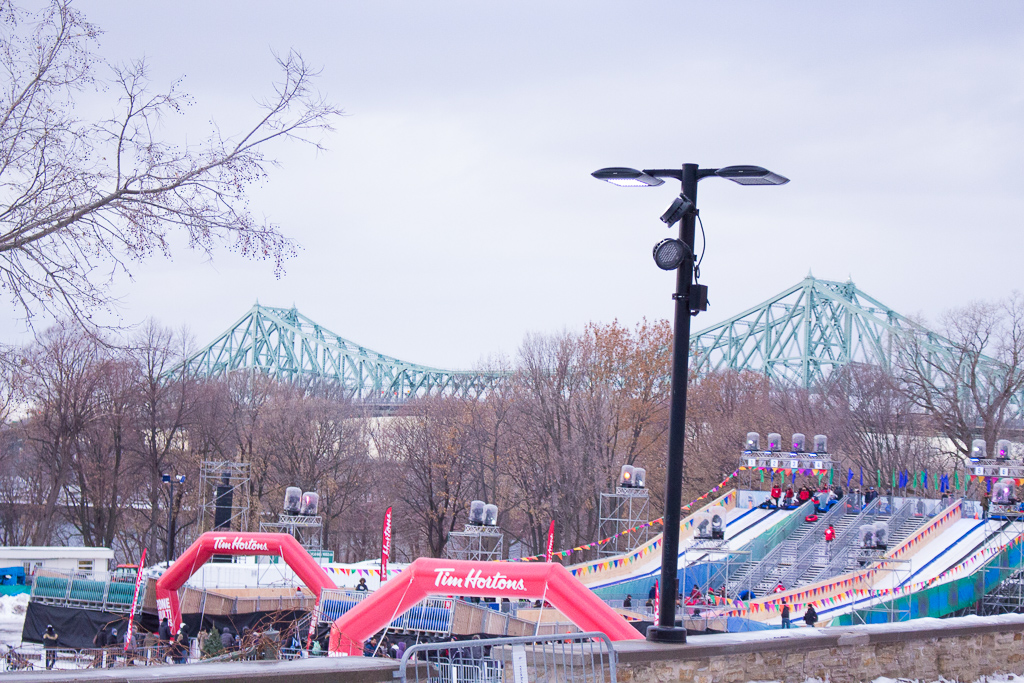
657	601
135	601
314	619
551	541
385	546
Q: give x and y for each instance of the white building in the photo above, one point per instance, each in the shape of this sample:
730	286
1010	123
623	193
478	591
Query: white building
74	558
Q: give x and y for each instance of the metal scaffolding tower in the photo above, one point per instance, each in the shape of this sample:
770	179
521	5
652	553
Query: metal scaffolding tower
475	543
225	496
624	516
1008	596
886	610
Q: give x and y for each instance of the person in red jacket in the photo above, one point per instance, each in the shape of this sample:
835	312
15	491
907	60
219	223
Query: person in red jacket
830	535
776	494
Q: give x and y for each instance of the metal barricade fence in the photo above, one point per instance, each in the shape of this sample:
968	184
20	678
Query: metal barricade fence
578	658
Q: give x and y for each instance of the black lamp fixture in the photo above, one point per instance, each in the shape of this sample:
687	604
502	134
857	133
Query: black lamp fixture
690	298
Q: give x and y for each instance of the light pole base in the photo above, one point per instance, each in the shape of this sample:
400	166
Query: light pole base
666	634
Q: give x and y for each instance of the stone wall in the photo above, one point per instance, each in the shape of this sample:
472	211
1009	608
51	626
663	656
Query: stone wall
963	649
956	649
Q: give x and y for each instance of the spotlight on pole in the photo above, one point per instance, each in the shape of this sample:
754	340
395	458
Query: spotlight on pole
669	253
677	211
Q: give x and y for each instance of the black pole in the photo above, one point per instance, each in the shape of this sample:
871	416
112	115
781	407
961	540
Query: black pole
170	524
666	631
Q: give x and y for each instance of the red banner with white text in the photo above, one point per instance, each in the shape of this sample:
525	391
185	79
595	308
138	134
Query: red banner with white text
385	546
551	542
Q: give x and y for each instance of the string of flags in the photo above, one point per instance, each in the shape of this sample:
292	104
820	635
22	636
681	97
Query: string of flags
898	479
360	572
650	547
563	554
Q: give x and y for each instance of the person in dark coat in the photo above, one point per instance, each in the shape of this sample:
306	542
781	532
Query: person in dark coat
785	616
628	602
163	633
50	638
362	587
227	639
180	648
100	639
810	616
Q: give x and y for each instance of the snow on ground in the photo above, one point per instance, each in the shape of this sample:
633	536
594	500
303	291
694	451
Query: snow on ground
12	618
998	678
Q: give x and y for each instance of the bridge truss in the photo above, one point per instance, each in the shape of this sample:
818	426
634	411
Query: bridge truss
799	336
287	346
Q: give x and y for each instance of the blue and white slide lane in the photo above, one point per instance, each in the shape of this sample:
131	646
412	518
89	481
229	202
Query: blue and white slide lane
743	526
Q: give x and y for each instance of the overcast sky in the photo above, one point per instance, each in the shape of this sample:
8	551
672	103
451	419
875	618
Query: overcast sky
454	211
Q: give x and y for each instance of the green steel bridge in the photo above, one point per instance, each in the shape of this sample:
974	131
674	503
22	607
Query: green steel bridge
797	338
288	346
800	335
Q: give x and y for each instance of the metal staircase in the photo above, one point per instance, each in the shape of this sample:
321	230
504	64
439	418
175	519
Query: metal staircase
799	553
751	577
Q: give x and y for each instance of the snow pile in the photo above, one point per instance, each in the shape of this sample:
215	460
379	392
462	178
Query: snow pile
998	678
12	607
12	618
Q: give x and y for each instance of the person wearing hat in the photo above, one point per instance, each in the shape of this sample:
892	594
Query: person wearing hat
180	655
50	644
112	640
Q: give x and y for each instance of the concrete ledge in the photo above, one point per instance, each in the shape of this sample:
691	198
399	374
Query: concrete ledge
314	670
970	647
804	639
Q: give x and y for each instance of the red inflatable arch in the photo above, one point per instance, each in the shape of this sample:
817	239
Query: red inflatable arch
234	543
427	576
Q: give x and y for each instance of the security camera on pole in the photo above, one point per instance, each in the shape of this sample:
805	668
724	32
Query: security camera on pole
690	299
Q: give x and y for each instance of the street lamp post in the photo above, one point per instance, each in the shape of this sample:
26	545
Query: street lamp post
171	480
689	300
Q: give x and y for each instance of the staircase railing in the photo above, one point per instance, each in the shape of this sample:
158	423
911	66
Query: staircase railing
773	546
841	546
806	558
757	549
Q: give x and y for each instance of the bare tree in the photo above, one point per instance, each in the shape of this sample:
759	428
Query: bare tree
165	411
103	477
428	455
75	193
61	379
970	383
313	442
